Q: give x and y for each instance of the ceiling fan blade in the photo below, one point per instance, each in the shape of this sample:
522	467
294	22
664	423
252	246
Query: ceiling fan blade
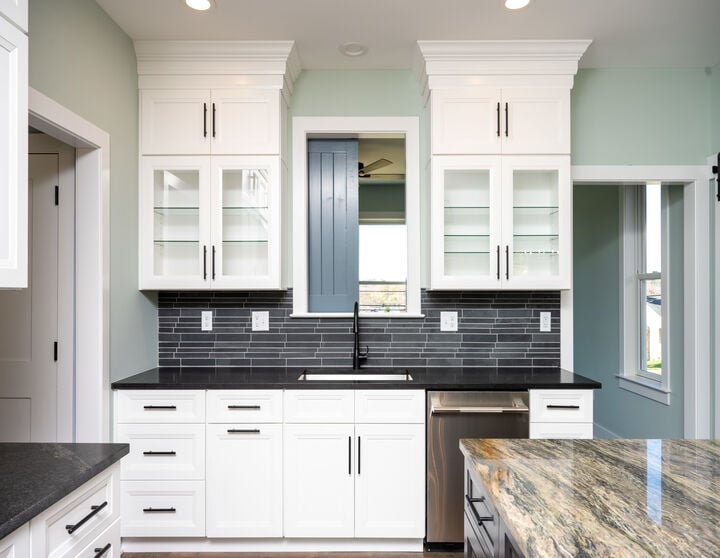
380	163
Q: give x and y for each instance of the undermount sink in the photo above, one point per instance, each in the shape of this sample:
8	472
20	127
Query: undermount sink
355	376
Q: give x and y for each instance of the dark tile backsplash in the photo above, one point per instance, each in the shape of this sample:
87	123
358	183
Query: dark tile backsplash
498	328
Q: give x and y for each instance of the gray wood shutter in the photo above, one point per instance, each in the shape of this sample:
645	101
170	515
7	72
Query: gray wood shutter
332	225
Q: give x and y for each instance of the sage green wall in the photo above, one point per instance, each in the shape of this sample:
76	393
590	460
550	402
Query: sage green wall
80	58
641	117
596	301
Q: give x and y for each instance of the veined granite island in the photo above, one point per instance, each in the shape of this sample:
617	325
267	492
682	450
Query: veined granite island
592	498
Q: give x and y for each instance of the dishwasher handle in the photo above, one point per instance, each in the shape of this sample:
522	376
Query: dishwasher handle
468	410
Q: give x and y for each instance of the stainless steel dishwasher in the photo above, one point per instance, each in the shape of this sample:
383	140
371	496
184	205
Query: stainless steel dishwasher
453	415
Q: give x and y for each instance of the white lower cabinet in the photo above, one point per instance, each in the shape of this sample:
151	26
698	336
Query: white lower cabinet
561	413
244	480
105	545
16	544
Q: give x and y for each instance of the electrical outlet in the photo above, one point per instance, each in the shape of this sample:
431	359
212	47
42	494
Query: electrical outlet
206	320
545	321
448	321
261	321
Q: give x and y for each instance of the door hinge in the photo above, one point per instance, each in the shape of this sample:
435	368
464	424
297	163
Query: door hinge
57	195
55	351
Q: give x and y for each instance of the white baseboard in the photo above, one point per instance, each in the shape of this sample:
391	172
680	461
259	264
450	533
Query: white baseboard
601	432
270	545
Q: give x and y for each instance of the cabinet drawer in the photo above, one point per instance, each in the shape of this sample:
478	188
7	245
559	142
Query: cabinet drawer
559	430
481	513
561	405
163	508
160	406
105	545
163	451
318	406
383	406
66	527
235	406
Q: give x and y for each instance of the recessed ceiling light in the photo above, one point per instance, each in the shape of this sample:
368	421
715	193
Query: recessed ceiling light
353	49
200	5
516	4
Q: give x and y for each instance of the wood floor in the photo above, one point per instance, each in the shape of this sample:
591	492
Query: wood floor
293	555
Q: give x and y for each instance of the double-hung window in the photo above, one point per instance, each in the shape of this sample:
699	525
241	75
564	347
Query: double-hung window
645	279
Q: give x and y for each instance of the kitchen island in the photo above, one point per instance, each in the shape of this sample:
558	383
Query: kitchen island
592	497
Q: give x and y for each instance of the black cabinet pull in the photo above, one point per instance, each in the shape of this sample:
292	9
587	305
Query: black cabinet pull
349	455
562	406
204	120
204	263
159	510
358	455
498	262
100	551
94	511
213	118
213	262
159	453
506	120
243	431
479	518
245	407
507	262
498	119
160	407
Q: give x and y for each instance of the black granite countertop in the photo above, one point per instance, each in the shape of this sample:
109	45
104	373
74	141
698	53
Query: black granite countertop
422	378
34	476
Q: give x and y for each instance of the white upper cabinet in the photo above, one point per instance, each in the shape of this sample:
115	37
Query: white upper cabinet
245	121
174	122
487	121
13	150
15	11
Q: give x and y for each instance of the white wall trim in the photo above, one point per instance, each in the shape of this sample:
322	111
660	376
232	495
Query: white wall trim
92	271
697	419
270	545
713	160
348	125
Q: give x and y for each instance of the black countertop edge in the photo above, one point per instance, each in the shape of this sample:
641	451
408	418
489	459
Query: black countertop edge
437	378
34	476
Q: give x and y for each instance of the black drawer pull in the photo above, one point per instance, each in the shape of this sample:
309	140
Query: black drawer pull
160	407
562	406
159	453
159	510
243	431
479	518
100	551
246	407
95	510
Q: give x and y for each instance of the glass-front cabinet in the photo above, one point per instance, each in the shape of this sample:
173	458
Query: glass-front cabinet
209	223
501	222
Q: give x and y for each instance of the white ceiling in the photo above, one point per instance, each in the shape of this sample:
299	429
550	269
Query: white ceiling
625	33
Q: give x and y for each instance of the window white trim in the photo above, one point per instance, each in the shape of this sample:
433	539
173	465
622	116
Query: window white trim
696	366
303	126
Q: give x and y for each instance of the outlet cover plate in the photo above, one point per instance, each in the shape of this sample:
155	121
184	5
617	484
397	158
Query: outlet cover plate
261	321
206	320
545	321
448	321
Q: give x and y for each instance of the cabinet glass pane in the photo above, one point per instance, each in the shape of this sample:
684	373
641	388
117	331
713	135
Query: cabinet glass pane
176	222
245	222
467	222
535	223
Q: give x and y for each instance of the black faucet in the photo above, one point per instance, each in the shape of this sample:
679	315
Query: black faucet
357	355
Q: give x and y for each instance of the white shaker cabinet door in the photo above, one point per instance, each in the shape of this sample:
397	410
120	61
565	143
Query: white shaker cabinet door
390	481
245	121
13	156
244	480
16	544
318	480
16	11
175	122
536	120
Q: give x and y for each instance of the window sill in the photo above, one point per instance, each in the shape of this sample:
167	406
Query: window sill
350	315
645	388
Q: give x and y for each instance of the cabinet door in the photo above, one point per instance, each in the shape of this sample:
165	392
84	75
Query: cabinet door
16	11
17	543
175	122
465	222
13	157
175	223
244	480
536	120
245	121
466	121
245	222
537	222
390	481
318	480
